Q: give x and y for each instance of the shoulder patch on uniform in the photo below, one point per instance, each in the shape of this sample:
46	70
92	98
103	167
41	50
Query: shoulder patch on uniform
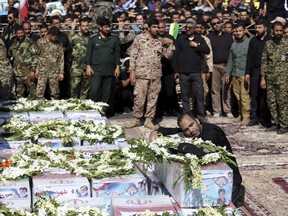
93	35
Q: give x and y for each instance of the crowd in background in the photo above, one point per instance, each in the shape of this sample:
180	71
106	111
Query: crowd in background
217	62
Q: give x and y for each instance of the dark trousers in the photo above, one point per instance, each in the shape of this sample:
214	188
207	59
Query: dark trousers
259	110
167	101
102	89
187	83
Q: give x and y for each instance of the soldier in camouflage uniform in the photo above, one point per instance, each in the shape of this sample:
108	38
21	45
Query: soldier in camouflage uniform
6	74
146	71
102	9
50	65
274	66
79	79
8	33
23	54
127	36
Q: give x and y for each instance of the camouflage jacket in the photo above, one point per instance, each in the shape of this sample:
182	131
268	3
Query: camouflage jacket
8	35
5	68
146	56
24	56
50	57
274	61
79	44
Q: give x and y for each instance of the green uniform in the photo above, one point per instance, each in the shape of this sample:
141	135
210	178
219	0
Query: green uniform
6	74
102	9
103	54
50	65
274	67
24	55
79	79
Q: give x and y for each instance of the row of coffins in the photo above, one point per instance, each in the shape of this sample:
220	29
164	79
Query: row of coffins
126	193
120	194
33	116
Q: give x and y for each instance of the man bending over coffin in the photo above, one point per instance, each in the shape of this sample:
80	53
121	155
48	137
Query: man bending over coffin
191	127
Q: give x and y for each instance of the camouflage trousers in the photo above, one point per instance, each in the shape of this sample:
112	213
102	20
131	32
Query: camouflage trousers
52	79
7	90
25	87
146	90
103	9
79	86
277	95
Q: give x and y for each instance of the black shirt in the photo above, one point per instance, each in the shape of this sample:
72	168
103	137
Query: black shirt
166	63
217	136
275	8
209	131
221	45
254	55
188	59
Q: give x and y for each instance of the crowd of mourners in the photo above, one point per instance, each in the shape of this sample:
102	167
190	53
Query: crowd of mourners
157	57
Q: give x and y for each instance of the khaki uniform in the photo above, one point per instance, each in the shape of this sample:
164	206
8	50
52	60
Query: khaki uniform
145	59
50	65
24	55
274	66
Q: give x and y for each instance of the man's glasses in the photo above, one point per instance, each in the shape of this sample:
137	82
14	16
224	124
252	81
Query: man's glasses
10	18
216	23
189	27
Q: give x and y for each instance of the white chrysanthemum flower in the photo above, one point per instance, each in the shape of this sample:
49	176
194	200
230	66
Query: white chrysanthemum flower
210	158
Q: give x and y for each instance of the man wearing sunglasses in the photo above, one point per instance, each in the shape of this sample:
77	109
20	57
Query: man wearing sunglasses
8	33
187	63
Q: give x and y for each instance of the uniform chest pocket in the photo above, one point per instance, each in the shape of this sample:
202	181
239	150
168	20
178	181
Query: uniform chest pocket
104	47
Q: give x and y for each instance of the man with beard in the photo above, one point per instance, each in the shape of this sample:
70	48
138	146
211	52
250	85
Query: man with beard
187	63
220	91
103	63
146	71
22	53
28	31
252	75
275	79
235	72
191	127
79	80
8	33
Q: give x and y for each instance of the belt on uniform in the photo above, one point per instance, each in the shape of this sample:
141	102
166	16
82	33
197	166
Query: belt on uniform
222	64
